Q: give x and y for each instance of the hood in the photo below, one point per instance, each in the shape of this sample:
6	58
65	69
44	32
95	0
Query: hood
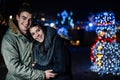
13	27
50	35
44	58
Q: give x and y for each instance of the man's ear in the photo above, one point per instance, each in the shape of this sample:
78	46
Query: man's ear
17	17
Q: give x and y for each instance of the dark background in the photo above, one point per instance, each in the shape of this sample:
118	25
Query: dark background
81	8
80	56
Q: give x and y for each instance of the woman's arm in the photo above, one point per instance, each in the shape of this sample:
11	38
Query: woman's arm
62	61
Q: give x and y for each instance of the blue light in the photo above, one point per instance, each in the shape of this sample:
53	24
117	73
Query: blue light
90	24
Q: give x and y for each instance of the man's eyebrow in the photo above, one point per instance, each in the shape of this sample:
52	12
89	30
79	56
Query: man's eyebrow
23	16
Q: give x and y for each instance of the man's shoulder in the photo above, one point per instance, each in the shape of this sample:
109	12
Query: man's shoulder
9	35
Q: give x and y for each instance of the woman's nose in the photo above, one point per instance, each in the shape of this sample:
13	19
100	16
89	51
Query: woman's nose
36	34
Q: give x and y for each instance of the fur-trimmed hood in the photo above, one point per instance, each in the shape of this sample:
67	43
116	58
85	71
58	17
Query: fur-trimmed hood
13	27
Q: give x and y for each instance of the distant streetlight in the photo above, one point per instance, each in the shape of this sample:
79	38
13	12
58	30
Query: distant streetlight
10	17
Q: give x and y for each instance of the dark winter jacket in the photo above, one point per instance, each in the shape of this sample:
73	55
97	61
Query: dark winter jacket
56	55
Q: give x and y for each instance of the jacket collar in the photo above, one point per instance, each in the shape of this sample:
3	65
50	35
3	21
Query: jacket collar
13	27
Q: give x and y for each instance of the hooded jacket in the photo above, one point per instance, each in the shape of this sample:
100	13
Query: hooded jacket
17	53
56	55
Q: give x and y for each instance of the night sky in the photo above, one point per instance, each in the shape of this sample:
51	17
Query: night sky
81	8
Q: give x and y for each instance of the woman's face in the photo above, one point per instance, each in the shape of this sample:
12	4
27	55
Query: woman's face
37	33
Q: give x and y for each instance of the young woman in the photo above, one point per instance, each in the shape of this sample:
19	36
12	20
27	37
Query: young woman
50	52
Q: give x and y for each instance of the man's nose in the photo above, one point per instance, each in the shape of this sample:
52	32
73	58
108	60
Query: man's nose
26	22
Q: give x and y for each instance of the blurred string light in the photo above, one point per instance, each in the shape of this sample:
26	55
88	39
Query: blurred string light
90	27
43	19
10	17
52	24
64	15
64	22
105	53
106	23
63	32
105	18
90	24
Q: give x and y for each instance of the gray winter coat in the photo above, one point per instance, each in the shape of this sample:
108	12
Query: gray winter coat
17	53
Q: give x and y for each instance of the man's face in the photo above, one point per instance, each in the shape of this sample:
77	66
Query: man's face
37	33
24	21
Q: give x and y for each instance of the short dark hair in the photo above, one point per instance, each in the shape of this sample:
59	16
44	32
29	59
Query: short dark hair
25	7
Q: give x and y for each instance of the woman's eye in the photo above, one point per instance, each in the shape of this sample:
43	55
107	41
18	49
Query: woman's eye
32	34
38	30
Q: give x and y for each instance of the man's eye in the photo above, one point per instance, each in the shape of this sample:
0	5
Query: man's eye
30	20
24	18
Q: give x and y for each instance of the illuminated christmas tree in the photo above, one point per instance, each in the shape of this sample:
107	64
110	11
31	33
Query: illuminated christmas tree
105	53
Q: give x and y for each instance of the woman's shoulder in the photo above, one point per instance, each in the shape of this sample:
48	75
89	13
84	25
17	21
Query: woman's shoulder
51	30
61	40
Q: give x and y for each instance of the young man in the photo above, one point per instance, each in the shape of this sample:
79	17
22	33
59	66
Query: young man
16	49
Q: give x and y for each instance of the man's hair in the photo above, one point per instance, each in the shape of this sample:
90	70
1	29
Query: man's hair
25	7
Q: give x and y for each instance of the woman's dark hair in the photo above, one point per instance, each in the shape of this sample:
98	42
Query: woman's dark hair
36	22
